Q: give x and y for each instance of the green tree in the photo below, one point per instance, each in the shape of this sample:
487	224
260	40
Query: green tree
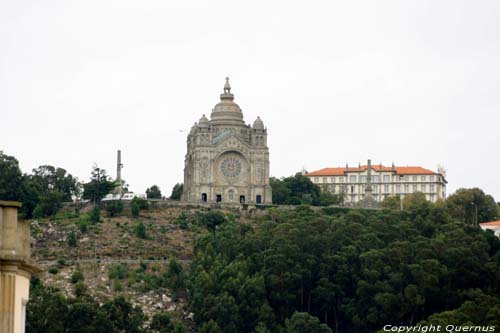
49	204
114	208
135	209
298	190
177	191
10	178
153	192
210	327
123	316
140	230
77	276
95	214
162	323
281	193
303	322
72	239
391	202
213	219
462	205
174	277
100	185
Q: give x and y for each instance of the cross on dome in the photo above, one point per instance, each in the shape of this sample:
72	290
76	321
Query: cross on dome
227	87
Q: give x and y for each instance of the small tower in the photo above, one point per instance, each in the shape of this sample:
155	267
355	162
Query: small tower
119	167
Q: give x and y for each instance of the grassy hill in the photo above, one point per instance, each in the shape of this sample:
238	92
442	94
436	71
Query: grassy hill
114	259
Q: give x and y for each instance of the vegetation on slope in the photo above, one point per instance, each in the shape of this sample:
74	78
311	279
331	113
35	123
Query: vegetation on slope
353	270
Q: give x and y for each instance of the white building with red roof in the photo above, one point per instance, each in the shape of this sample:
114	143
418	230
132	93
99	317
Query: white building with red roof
493	226
385	181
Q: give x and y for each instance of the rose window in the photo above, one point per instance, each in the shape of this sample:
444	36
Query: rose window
231	167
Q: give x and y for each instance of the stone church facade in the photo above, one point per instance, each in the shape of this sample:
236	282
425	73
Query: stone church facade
227	161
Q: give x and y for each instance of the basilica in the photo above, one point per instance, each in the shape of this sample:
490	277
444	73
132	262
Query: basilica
227	161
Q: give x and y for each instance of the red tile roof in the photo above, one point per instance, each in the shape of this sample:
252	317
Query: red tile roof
490	224
407	170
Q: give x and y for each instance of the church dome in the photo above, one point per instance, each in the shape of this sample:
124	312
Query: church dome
227	112
258	124
203	122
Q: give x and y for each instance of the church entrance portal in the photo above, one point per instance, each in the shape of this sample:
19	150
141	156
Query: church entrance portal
218	198
258	199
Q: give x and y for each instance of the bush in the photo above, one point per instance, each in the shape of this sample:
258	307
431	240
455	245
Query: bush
162	323
114	208
140	230
71	239
141	203
182	221
95	215
80	289
83	226
118	271
135	210
77	276
53	270
213	219
61	262
117	286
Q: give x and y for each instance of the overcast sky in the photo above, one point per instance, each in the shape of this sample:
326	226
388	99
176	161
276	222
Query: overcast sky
335	82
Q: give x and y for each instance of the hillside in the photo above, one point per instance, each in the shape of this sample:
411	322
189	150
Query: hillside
114	260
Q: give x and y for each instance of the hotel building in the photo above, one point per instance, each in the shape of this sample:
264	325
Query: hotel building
385	181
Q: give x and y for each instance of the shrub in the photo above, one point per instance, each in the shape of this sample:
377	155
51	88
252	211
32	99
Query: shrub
114	208
118	271
80	289
77	276
134	208
117	286
53	270
162	323
71	239
141	203
83	226
213	219
95	215
61	262
182	221
140	230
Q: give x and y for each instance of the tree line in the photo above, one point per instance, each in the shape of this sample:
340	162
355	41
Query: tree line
345	270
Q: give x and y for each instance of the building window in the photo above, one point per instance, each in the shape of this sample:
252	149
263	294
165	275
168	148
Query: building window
375	188
407	178
341	179
333	188
316	180
325	180
431	178
398	188
415	178
432	188
386	188
352	179
333	179
415	188
376	179
423	178
387	178
407	188
352	189
362	179
423	188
